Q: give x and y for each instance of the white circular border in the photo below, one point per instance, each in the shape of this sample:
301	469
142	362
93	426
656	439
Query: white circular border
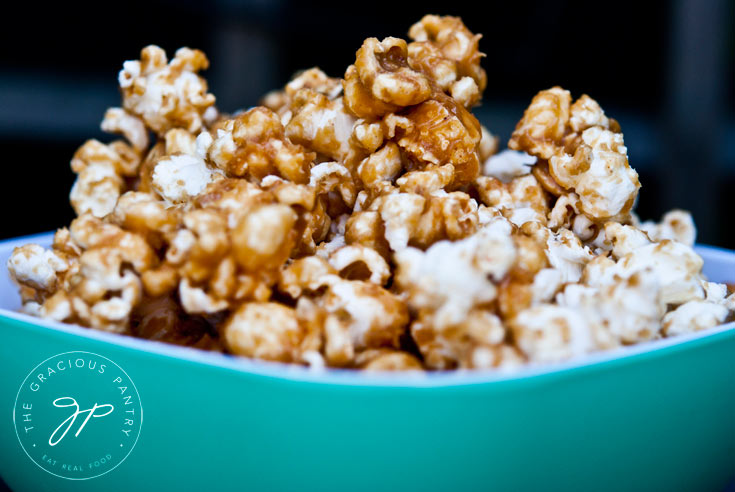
15	406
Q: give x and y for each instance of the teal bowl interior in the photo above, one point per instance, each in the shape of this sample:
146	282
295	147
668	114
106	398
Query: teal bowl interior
656	416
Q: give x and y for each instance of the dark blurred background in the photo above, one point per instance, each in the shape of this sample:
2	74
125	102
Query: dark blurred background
664	69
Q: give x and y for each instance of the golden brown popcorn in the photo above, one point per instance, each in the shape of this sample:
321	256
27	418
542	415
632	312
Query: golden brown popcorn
89	232
322	125
383	165
411	219
145	214
94	271
254	144
584	151
232	198
521	200
36	267
455	42
96	190
544	124
264	237
459	345
357	262
280	101
309	274
101	170
316	80
426	181
366	228
599	173
106	293
381	80
369	135
372	316
358	99
166	94
444	132
383	70
387	360
265	330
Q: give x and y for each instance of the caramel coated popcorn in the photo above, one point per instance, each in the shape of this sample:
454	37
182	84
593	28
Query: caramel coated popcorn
366	222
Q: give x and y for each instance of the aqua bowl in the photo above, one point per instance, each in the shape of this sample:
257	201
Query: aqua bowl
656	416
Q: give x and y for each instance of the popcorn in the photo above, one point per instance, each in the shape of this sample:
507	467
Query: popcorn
253	144
349	259
35	266
584	151
181	177
96	190
321	124
166	94
455	43
384	72
442	132
676	224
450	278
599	173
117	120
507	165
549	333
367	222
264	330
694	316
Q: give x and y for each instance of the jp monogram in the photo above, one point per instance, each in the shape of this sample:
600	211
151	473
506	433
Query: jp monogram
77	415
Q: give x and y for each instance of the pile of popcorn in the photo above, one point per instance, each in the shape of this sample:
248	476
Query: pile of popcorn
367	222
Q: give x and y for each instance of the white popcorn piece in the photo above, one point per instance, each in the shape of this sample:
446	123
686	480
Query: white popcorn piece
676	224
694	316
624	239
34	265
195	301
628	310
400	213
549	333
265	330
323	125
546	283
324	171
508	164
354	254
676	265
452	277
567	254
608	185
166	95
96	190
181	177
117	120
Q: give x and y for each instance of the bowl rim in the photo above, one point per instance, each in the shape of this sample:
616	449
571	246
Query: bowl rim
350	377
